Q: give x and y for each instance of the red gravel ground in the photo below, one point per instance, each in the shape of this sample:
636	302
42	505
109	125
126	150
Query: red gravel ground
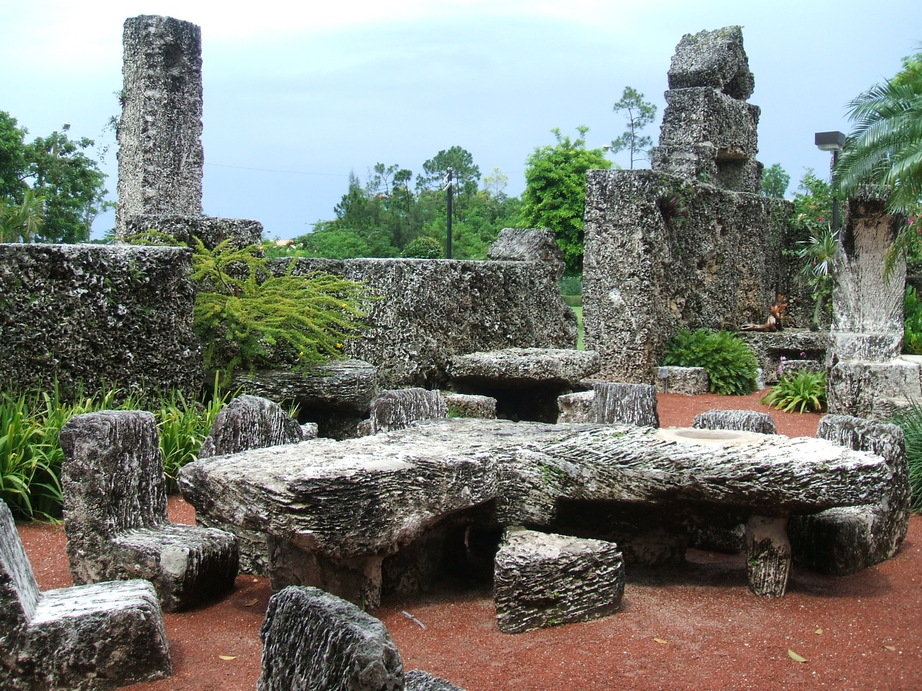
689	627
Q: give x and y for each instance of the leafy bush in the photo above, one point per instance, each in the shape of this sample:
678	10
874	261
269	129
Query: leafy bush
912	324
31	455
798	391
729	362
910	420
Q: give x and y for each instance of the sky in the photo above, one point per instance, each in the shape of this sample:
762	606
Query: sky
299	95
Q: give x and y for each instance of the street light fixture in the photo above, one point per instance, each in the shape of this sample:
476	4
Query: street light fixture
834	142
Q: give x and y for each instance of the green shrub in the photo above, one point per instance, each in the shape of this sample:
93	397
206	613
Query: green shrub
31	455
423	247
910	420
912	324
571	285
799	391
729	362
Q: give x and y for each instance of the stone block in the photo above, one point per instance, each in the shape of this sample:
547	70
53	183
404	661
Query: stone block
209	229
399	408
714	59
528	244
93	317
469	405
853	387
98	636
705	116
691	381
115	513
250	422
772	348
575	407
844	540
543	579
788	367
632	404
745	420
357	650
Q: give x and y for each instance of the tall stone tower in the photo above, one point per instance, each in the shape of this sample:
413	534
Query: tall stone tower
160	157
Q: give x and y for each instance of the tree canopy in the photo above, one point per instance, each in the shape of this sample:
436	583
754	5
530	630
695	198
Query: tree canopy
640	113
555	191
885	146
775	181
50	190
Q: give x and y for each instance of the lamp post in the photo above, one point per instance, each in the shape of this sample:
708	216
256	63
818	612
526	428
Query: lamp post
834	142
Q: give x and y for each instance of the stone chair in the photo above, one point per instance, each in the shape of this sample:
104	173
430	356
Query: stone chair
844	540
358	652
115	513
250	422
98	636
617	402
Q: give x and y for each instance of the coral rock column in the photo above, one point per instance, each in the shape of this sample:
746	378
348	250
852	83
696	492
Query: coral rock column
160	156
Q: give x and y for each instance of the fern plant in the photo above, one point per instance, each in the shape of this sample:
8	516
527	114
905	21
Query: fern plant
729	362
910	420
800	391
912	324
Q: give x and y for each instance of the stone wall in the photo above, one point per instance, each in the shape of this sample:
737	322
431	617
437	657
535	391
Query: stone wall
663	252
430	310
97	317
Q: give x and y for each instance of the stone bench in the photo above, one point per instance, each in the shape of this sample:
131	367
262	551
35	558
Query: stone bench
99	636
524	381
334	511
771	348
542	579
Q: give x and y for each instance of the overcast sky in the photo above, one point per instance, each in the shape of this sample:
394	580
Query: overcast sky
297	95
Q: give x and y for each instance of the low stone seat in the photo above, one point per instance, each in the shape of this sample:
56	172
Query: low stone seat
99	636
844	540
744	420
610	403
358	653
115	514
691	381
524	381
543	579
398	408
250	422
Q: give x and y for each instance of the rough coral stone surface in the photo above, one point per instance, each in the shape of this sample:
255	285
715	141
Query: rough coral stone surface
398	408
98	636
855	387
160	156
844	540
430	310
525	365
575	407
634	404
94	317
250	422
690	381
469	405
543	579
115	513
315	640
714	59
210	230
747	420
528	244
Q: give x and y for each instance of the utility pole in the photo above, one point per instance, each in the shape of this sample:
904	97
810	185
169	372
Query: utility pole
450	189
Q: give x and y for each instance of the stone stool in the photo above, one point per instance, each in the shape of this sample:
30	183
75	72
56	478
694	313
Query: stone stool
543	579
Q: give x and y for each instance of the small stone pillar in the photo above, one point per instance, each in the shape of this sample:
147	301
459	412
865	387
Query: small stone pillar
867	330
160	156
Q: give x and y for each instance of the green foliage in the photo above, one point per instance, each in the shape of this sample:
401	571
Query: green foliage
885	145
818	254
640	113
910	421
571	285
248	318
729	362
912	324
31	455
775	181
812	206
50	183
555	191
464	171
800	391
423	248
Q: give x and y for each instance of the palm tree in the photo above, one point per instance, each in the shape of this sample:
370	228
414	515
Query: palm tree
885	148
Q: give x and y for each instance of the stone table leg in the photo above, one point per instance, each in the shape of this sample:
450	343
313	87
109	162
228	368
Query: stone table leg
768	555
